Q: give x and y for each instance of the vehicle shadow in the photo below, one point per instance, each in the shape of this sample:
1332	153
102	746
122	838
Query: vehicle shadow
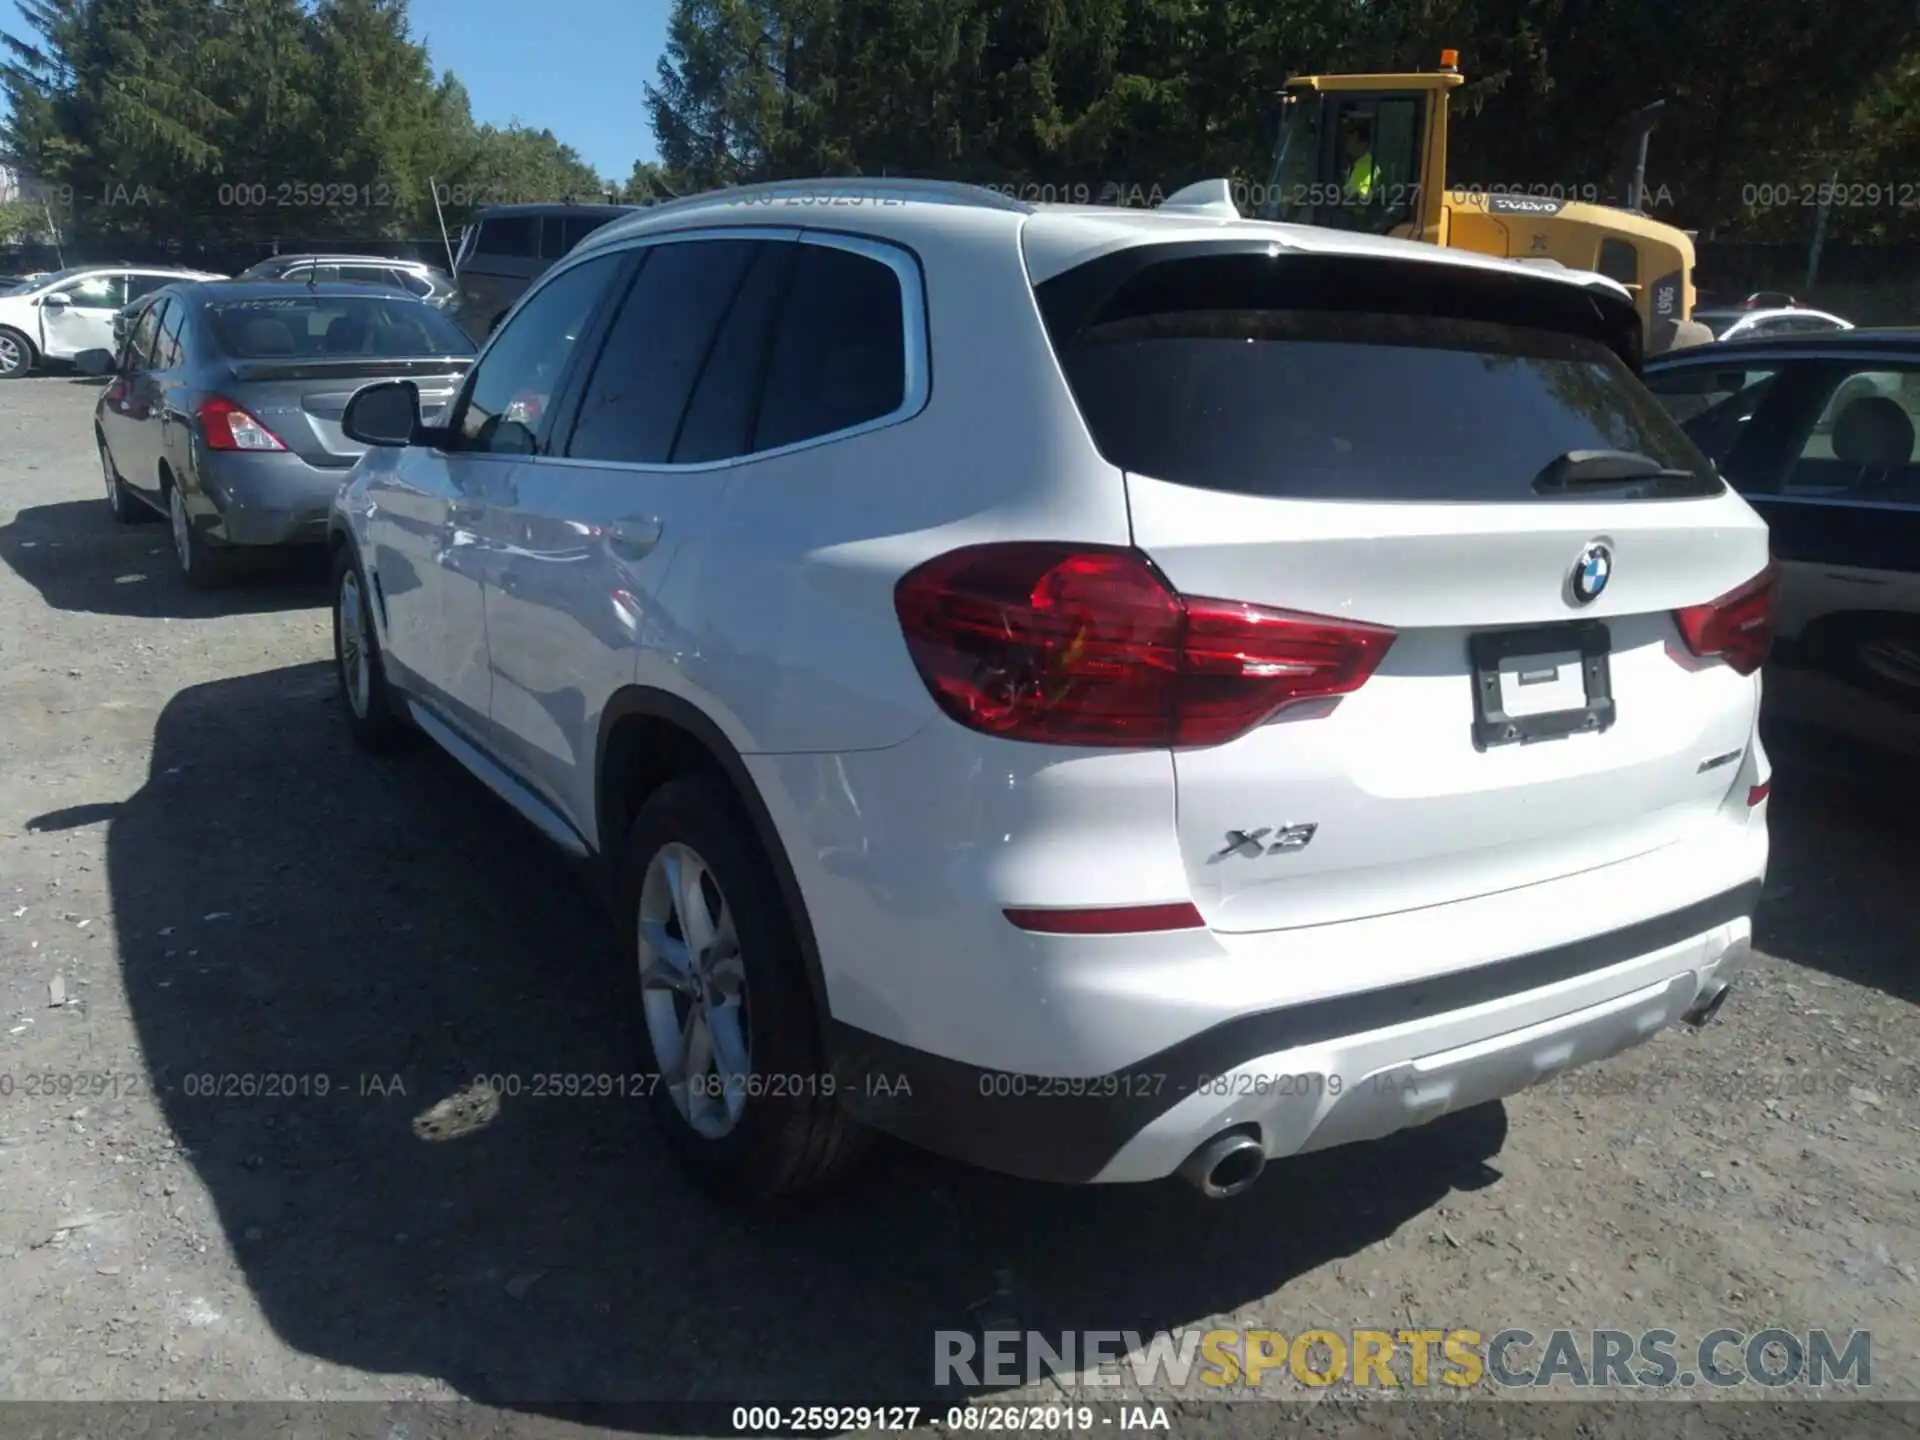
1845	849
323	951
79	559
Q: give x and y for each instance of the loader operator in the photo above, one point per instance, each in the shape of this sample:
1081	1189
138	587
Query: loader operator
1357	150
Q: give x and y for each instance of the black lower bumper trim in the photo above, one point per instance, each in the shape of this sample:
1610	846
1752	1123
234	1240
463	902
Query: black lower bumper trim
1069	1130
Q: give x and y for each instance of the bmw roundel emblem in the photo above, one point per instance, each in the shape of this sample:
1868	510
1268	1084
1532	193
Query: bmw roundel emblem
1591	573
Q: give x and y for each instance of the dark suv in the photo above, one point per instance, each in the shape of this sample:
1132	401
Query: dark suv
508	247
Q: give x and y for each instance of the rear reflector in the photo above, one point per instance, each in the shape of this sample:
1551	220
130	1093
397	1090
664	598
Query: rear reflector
1758	793
1110	920
1738	627
1088	645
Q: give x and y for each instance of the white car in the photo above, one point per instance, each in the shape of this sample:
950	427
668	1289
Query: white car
1740	324
1098	693
58	316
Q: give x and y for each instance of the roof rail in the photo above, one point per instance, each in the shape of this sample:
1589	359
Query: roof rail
884	187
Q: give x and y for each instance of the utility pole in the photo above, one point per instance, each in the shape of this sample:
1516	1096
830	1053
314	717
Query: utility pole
1820	227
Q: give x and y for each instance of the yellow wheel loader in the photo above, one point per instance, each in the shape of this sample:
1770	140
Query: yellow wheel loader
1369	152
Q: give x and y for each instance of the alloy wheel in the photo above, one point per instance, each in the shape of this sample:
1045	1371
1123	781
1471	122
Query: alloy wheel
694	990
182	529
1892	659
356	665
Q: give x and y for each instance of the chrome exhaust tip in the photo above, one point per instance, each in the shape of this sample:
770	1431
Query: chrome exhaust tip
1225	1166
1703	1011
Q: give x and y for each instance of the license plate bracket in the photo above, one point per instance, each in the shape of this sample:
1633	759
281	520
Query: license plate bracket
1493	655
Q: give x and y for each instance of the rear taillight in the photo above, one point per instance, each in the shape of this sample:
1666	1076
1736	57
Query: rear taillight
229	427
1088	645
1738	627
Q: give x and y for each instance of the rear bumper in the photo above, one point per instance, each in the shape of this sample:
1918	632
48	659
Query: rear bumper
1322	1073
264	499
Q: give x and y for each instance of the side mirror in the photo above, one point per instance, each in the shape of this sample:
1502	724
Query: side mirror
386	414
95	362
59	300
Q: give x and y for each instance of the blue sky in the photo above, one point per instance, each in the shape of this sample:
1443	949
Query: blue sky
579	77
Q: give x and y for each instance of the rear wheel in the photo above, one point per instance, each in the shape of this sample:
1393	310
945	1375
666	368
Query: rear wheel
1883	658
200	564
16	354
724	1011
126	510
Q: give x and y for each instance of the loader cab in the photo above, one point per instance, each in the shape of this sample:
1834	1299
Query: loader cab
1362	152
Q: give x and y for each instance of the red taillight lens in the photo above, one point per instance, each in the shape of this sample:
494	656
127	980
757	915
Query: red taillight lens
229	427
1088	645
1738	627
1758	793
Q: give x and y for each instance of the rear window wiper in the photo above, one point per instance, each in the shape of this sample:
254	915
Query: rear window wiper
1604	469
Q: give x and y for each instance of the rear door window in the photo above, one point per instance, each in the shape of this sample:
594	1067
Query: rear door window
631	407
1862	444
718	424
1235	374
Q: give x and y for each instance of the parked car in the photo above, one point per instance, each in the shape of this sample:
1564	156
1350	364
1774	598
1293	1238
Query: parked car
1147	749
1742	323
410	277
224	410
508	247
72	310
1817	431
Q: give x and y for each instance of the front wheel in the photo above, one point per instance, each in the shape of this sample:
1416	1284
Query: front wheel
124	508
16	354
358	665
724	1010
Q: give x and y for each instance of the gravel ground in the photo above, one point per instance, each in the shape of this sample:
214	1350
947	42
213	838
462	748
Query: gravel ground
196	862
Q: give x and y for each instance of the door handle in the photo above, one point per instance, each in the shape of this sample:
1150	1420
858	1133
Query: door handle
635	537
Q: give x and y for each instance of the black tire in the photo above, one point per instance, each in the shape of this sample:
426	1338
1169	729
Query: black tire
792	1134
120	502
200	564
1881	657
373	715
17	354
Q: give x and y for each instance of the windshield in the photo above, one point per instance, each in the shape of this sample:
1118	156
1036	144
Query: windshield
327	327
1295	156
53	279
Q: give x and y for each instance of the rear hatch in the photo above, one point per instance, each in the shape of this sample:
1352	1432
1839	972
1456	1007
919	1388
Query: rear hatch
1376	441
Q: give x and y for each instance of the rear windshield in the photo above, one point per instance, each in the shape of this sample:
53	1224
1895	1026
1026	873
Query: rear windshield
325	327
1355	404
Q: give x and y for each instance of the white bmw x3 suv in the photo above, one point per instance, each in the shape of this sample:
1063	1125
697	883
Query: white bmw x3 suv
1096	693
